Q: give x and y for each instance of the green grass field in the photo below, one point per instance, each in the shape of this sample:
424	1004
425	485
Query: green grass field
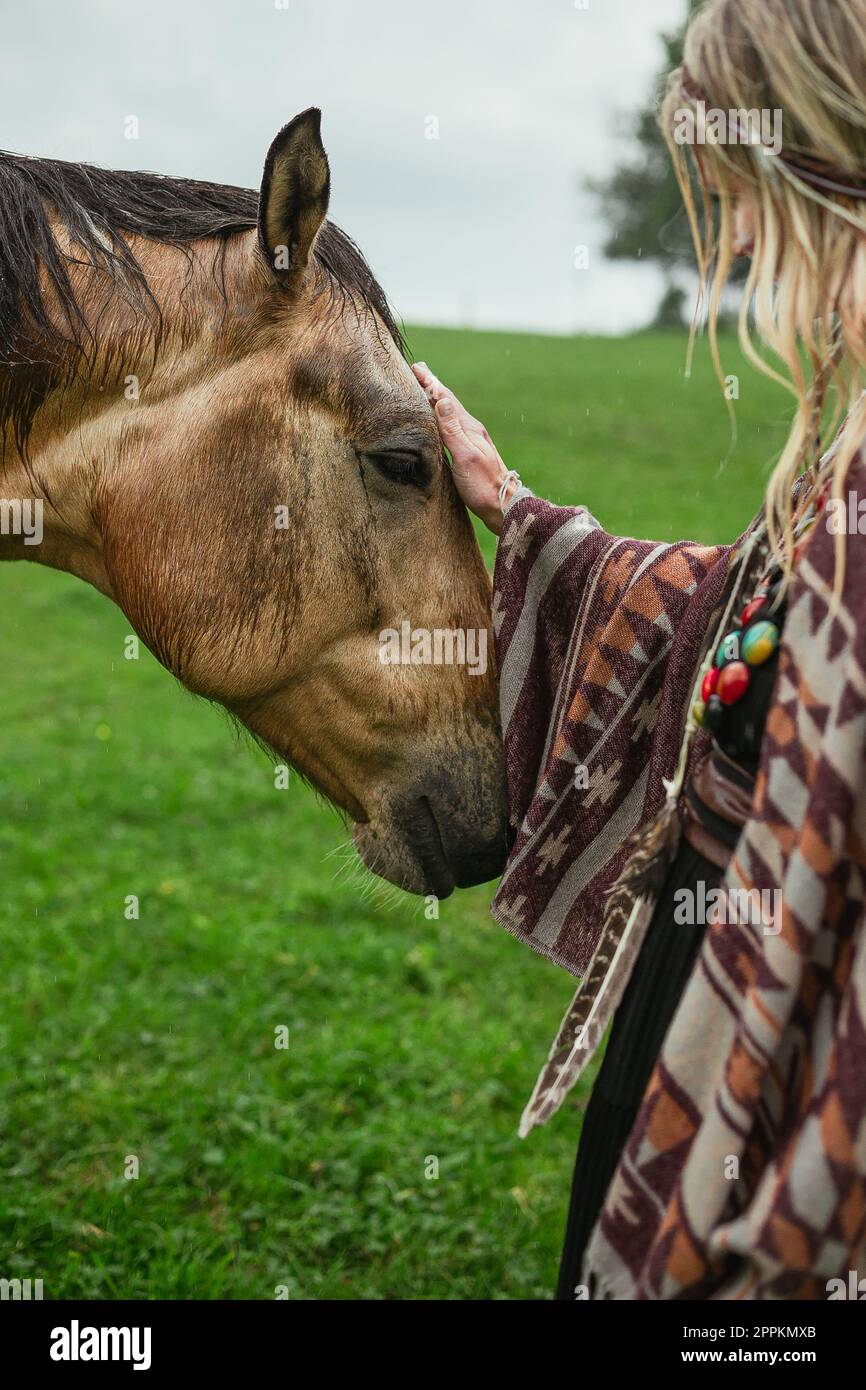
408	1038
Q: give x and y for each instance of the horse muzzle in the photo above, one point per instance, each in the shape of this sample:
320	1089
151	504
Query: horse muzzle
442	833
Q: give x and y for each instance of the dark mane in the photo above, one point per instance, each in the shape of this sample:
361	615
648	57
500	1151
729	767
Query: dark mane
97	206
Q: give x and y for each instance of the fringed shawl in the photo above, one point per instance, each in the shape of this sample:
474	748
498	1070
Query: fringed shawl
744	1175
597	641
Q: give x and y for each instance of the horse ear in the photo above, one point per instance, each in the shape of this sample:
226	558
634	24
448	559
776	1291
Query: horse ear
293	202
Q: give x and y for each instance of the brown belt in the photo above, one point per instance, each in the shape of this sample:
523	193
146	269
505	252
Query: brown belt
718	802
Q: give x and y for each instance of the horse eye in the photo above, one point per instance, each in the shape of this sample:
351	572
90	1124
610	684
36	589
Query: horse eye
401	466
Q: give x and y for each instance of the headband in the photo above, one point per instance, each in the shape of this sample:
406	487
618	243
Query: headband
808	168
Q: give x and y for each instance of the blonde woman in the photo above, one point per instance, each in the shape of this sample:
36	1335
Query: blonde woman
685	736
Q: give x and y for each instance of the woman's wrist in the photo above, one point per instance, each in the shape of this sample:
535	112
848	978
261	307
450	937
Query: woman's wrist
492	518
506	483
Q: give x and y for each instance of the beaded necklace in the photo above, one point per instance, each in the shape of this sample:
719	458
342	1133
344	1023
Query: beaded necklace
751	640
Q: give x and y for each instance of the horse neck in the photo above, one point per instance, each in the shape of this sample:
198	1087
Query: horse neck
52	484
46	502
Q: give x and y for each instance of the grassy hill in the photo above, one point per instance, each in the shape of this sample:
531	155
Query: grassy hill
408	1039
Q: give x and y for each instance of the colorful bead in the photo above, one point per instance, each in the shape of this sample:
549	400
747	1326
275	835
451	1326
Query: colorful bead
713	713
733	682
759	642
709	683
728	649
752	609
699	710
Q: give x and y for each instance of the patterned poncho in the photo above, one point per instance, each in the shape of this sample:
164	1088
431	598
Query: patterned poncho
745	1173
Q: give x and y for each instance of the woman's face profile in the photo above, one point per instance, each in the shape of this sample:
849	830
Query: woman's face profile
743	238
742	211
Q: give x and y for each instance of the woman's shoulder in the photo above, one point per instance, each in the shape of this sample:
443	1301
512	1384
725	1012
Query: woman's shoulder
844	510
831	559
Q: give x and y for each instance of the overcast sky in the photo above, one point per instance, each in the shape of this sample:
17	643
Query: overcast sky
477	226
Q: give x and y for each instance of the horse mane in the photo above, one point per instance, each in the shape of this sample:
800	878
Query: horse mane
97	207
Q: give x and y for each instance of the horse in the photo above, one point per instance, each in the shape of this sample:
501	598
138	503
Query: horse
205	398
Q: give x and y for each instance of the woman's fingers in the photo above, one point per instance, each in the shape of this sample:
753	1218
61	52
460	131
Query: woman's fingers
422	372
427	380
435	392
451	414
478	470
433	387
452	431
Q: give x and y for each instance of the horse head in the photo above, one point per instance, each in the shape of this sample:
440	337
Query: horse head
207	390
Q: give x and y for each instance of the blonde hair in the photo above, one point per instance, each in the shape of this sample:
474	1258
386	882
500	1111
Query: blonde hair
806	287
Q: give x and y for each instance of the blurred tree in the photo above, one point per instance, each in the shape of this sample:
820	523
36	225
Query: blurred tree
641	200
671	310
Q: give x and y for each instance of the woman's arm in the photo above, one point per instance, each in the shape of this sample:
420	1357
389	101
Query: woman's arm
479	472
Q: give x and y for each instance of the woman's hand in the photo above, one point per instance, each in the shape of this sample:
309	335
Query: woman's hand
478	470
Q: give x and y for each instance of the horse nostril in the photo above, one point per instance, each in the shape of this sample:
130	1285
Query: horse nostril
425	840
453	844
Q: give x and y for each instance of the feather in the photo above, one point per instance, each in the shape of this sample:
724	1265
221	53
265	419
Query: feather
628	913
